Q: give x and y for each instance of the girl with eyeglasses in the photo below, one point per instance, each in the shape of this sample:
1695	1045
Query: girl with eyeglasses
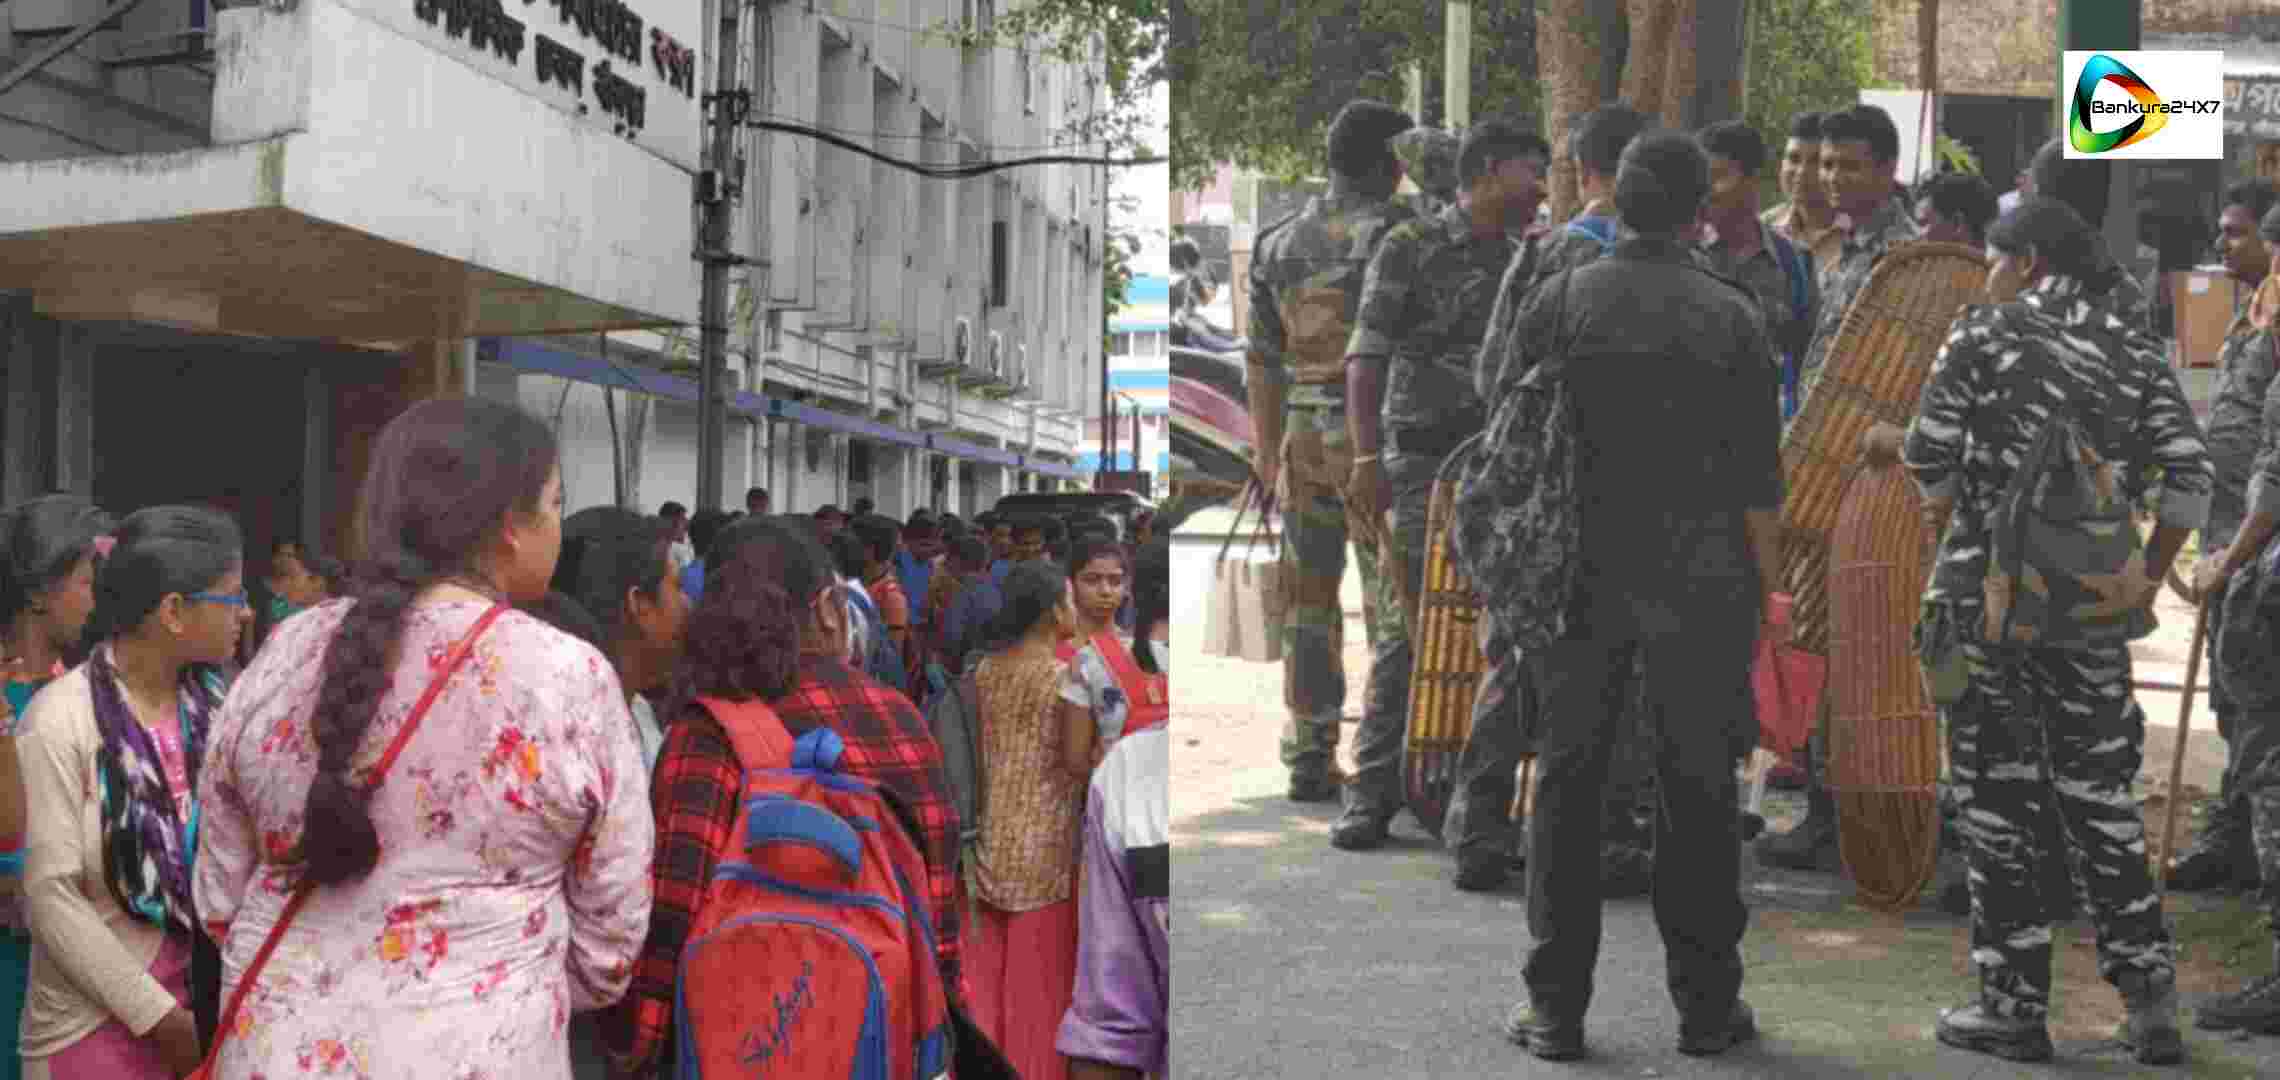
109	758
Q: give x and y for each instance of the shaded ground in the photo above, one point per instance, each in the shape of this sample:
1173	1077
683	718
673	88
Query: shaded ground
1294	959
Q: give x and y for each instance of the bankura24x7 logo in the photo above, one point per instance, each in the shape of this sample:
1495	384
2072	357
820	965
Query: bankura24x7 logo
2147	111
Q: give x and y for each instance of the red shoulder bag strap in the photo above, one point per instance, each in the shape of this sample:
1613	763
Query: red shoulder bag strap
1148	695
301	891
757	736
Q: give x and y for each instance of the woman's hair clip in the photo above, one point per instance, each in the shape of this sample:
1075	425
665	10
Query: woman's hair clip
104	543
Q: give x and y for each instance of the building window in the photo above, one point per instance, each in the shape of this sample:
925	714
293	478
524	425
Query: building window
1028	84
1001	258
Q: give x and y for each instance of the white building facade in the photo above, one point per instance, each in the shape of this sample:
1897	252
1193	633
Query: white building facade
237	239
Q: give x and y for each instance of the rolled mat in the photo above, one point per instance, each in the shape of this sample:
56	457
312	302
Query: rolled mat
1877	364
1884	733
1445	669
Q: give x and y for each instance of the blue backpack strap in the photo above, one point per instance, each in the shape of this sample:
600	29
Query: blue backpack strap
1800	302
1605	234
1792	264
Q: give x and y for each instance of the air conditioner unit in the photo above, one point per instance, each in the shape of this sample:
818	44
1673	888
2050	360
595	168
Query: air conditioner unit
995	364
1020	375
957	352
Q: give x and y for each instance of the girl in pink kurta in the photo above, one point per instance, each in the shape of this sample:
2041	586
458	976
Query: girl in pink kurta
510	885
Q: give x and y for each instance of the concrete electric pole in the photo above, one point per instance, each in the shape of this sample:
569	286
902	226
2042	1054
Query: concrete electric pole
725	110
1457	91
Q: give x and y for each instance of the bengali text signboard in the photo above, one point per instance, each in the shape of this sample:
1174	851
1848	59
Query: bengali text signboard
2252	106
628	70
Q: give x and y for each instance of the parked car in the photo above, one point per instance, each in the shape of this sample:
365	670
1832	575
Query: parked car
1118	506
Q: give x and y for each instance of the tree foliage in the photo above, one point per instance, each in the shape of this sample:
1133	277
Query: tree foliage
1806	56
1257	84
1125	40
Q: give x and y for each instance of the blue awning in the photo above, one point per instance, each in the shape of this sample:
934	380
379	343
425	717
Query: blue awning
540	359
843	423
943	444
1052	468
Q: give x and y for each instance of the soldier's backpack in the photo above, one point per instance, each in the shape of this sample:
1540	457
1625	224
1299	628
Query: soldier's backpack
2066	565
812	953
1516	530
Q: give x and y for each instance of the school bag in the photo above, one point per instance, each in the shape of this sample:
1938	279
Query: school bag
1147	697
812	953
954	717
882	658
2065	560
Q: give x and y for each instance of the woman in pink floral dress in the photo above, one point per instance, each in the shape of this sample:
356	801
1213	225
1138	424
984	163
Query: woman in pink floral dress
498	880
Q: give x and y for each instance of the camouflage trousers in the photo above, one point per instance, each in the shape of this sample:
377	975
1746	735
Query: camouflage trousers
2234	812
1317	528
2052	732
1380	743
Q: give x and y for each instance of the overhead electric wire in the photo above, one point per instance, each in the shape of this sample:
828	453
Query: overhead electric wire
947	172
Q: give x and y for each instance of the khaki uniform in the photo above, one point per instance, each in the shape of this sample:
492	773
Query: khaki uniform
1305	282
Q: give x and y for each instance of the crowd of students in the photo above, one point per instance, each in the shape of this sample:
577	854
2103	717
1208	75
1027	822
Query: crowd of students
457	813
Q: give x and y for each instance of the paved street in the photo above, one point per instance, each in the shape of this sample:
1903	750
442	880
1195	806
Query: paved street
1296	960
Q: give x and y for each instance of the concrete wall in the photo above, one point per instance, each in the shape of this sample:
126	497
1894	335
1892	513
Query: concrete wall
865	255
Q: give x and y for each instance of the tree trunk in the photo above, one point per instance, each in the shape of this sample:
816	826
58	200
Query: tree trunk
1579	47
1649	63
1928	46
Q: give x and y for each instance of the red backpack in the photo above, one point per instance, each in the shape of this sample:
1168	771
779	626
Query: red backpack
813	954
1148	700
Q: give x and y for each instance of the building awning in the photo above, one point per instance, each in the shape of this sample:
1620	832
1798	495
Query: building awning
842	422
943	444
538	359
1043	467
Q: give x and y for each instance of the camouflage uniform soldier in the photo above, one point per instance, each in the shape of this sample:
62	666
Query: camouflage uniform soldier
1430	157
1306	280
2082	185
1859	149
2240	578
1425	303
1479	823
2051	729
2223	854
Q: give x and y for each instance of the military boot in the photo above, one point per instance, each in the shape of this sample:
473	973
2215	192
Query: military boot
1315	785
1811	844
1482	868
1363	827
1977	1028
2150	1031
2254	1007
